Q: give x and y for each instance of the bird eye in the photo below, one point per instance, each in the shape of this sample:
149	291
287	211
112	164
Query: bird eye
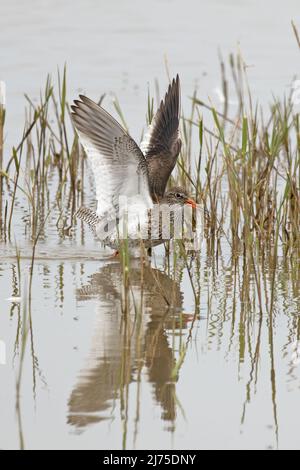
179	195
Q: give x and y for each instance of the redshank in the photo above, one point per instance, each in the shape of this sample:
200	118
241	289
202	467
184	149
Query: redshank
125	172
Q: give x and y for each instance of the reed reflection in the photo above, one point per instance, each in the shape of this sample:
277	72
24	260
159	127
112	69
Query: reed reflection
129	344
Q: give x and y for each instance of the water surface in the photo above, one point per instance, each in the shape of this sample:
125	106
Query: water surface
155	368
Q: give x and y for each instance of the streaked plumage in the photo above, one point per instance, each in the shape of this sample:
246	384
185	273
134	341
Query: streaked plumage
122	169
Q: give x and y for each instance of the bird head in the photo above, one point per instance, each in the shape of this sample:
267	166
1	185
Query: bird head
178	195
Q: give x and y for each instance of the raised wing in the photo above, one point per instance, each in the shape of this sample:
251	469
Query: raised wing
162	144
117	162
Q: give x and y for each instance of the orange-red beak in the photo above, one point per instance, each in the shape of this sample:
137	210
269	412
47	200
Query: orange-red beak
191	202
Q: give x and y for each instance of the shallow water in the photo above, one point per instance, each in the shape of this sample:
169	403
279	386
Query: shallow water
119	47
96	378
165	374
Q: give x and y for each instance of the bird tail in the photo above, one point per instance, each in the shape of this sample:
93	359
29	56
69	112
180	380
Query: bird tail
88	216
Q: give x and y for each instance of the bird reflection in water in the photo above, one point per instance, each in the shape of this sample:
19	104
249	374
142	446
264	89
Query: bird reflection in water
126	344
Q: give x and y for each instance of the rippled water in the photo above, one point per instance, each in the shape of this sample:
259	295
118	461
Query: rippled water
172	372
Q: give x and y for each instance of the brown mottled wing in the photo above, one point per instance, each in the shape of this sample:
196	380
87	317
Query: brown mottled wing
118	164
162	144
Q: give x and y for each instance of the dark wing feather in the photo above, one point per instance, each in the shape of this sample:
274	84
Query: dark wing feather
117	162
162	145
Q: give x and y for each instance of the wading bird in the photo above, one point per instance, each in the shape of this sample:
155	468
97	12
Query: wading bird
123	170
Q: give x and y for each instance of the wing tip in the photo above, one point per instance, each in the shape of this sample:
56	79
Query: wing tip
83	100
172	96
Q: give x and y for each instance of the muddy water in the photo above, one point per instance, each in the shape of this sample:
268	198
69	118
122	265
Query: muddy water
153	369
